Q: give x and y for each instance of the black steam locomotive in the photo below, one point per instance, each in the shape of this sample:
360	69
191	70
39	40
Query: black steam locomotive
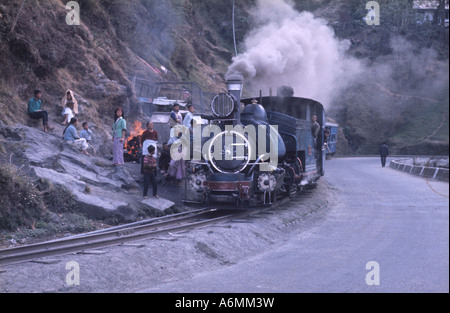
256	151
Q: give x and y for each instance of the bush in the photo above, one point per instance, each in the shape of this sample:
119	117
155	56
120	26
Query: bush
56	198
20	202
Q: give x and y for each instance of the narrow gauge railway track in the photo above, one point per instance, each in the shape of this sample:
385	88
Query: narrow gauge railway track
122	234
114	236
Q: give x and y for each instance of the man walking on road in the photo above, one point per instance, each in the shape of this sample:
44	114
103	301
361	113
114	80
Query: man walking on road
384	152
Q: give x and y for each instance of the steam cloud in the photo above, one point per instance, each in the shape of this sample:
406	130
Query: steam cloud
293	48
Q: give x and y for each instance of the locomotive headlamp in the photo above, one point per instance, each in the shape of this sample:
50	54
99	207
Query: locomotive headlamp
223	105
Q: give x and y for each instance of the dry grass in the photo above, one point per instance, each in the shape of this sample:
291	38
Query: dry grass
20	201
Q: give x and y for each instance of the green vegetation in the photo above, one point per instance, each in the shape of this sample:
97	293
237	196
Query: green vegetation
426	123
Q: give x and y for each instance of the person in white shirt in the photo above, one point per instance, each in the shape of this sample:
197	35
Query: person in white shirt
189	117
67	113
70	107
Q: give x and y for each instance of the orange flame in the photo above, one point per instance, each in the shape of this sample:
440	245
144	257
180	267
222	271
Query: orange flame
135	131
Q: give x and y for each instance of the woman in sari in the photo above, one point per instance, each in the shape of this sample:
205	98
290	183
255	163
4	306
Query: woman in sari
119	130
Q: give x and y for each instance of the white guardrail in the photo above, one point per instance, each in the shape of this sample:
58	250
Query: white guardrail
411	166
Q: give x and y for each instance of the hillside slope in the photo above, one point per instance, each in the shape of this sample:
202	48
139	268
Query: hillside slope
119	39
98	59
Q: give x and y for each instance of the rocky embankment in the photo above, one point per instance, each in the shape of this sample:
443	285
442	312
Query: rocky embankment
98	189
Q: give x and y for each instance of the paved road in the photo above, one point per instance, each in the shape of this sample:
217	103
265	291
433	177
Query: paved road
399	221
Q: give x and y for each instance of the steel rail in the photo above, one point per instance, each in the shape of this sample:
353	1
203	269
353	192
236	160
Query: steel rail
143	222
106	237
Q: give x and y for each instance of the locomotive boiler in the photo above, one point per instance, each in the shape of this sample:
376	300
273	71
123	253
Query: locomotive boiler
255	151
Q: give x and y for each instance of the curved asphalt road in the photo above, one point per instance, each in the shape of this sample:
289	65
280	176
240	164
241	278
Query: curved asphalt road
397	220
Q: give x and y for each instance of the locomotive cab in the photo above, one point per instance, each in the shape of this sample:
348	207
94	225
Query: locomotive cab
293	117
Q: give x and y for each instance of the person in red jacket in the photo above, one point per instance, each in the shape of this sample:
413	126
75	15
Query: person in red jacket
148	137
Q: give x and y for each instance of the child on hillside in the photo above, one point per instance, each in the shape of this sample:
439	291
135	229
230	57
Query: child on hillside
86	133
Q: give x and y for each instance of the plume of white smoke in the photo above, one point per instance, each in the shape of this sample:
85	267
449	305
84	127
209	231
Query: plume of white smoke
293	48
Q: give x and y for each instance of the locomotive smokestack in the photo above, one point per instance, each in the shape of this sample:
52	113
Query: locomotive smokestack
234	86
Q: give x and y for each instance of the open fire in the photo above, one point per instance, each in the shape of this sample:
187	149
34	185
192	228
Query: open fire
132	151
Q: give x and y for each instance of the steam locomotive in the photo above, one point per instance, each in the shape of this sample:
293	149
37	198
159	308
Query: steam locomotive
255	151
